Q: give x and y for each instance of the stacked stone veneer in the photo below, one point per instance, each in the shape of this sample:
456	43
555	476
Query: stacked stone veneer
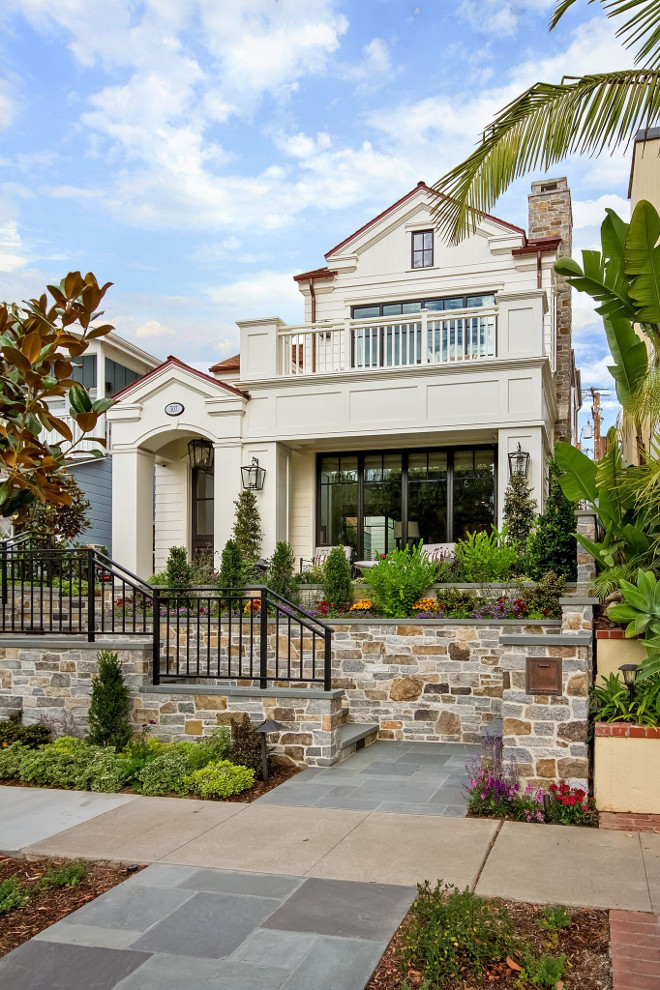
429	681
53	682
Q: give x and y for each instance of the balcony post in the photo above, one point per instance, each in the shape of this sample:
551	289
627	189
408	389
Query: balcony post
424	356
348	346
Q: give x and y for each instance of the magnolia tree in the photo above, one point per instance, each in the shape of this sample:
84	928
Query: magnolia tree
39	343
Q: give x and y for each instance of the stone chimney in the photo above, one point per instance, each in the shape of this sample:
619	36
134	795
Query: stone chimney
550	215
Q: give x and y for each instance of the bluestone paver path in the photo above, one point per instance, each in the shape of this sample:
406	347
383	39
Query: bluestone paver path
391	777
173	926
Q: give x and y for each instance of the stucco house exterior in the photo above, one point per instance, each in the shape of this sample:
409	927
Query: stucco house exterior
387	416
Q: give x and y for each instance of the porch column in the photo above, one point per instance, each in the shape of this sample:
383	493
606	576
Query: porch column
531	440
133	510
227	460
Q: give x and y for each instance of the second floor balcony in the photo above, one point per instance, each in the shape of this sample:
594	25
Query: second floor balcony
514	328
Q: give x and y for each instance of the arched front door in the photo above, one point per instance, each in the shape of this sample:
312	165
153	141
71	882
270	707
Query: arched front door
202	510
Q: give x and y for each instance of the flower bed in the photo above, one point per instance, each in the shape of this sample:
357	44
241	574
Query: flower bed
452	940
494	791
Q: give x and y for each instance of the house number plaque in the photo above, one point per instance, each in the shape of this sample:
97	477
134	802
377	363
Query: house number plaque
174	408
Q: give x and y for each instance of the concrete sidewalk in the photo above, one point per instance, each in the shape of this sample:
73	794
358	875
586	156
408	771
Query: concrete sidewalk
538	863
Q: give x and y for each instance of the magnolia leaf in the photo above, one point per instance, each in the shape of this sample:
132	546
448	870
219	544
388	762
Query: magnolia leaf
31	347
80	400
86	421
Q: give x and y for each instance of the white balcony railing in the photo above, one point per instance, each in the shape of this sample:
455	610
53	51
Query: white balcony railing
86	445
426	338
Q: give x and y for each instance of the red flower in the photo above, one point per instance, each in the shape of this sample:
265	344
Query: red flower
553	788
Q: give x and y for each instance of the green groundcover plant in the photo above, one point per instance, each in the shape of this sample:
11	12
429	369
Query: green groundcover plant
148	766
399	580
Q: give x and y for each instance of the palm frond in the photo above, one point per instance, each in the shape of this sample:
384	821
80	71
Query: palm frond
641	30
548	122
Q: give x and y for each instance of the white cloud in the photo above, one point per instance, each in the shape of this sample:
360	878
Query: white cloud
492	17
270	293
591	212
374	66
12	256
153	328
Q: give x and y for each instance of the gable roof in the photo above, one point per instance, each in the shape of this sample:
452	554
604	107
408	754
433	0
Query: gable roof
399	202
175	362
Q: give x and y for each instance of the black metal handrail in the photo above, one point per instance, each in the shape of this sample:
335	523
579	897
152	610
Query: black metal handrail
249	633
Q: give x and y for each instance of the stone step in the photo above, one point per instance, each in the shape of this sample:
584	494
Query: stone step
355	732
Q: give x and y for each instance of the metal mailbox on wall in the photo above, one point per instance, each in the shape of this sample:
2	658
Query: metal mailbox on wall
543	675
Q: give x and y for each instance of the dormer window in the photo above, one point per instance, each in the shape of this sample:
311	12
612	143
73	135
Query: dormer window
422	249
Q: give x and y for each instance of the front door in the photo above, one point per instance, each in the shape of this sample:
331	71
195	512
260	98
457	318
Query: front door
202	510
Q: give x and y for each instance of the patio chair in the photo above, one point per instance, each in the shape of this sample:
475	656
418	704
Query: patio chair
439	552
321	554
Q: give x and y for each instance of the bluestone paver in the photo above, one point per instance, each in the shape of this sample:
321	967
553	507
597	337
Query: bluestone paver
167	972
559	864
269	947
208	926
234	882
40	965
336	964
391	777
132	906
341	908
31	814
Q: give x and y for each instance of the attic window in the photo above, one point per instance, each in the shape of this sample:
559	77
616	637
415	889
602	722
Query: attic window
422	249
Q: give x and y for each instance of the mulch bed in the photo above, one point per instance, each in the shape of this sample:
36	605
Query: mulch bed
586	945
49	906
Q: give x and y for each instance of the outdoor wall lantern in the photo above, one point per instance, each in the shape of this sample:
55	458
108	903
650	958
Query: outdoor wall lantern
200	453
519	463
629	671
253	476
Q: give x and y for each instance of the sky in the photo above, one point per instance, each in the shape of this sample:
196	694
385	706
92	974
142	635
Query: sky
198	153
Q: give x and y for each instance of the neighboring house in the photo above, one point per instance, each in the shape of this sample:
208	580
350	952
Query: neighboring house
644	184
108	365
387	417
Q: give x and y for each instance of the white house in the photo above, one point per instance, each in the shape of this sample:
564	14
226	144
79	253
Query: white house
386	417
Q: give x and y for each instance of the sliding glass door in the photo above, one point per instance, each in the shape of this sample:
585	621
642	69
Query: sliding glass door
373	501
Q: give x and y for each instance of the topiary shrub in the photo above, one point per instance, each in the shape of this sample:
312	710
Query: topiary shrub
177	569
551	545
232	567
337	586
247	527
110	704
281	578
246	744
219	780
520	511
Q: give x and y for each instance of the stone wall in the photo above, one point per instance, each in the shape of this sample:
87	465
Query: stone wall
550	215
547	733
429	680
53	682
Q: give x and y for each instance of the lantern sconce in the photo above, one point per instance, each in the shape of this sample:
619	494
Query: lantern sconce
629	671
518	463
200	453
253	476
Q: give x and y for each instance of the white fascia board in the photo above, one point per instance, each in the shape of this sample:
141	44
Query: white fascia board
125	413
260	322
222	406
128	348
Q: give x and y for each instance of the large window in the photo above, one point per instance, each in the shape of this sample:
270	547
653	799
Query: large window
422	249
374	501
372	311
